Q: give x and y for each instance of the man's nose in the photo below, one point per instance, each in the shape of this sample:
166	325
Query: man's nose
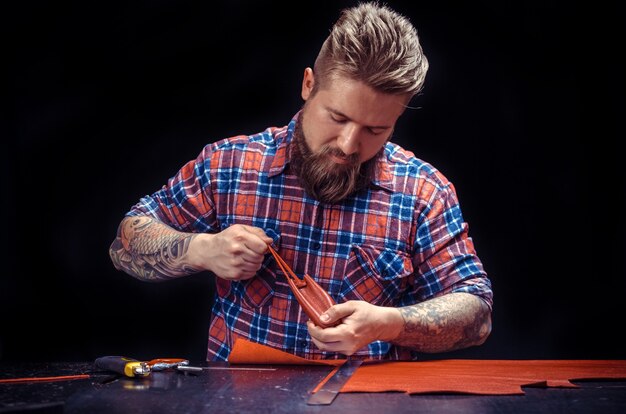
348	141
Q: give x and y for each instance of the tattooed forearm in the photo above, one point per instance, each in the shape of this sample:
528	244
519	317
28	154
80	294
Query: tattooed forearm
447	323
150	250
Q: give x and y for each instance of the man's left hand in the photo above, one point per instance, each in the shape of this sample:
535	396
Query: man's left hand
361	324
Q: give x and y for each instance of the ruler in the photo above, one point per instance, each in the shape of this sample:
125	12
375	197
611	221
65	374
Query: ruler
339	376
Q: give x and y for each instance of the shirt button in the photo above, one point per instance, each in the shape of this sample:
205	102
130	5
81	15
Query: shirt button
303	344
316	246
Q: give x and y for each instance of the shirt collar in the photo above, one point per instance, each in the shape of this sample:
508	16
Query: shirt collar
382	176
283	138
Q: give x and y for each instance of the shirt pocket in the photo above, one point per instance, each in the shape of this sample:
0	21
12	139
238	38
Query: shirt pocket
376	275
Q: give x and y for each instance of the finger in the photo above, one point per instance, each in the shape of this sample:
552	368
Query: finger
314	330
249	267
235	275
321	339
331	334
251	259
245	244
242	274
259	232
329	346
258	241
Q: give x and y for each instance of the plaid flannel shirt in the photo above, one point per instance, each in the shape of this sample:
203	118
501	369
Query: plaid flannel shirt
400	242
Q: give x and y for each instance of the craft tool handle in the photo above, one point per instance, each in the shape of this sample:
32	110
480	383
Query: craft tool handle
123	365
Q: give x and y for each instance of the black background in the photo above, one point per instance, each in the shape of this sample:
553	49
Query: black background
103	101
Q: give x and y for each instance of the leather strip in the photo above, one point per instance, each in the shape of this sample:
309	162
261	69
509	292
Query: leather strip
313	299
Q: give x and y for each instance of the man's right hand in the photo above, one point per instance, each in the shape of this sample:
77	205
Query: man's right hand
235	253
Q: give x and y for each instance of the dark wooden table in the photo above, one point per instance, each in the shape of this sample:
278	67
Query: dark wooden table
267	389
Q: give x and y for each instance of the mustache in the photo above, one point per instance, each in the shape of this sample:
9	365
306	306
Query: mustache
352	159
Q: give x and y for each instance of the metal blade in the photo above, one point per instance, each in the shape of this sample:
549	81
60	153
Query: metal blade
328	392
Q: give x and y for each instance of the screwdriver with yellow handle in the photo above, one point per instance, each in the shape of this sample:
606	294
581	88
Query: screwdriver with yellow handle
133	368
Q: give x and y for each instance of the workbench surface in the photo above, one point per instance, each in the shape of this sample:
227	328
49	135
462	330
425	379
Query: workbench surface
266	389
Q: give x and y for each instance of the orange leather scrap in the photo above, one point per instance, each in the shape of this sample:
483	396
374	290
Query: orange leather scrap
246	352
447	376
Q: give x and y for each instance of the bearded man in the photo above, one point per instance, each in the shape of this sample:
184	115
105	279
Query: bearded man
380	230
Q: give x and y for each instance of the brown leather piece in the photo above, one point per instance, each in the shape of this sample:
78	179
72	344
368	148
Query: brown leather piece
447	376
313	299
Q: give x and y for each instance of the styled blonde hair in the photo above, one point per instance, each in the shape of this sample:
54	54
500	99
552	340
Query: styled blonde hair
376	45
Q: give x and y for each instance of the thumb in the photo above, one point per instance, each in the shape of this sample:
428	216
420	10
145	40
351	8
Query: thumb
336	313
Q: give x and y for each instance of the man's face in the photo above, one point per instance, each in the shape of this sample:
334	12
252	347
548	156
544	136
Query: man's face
340	131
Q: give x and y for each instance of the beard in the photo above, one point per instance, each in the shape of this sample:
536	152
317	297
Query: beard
325	180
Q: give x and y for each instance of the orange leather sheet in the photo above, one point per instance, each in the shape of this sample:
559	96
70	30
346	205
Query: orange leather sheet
487	377
447	376
246	352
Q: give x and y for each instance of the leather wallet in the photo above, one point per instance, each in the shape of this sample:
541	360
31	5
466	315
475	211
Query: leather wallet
313	299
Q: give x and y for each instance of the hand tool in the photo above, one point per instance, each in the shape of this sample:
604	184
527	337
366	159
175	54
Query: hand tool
327	390
161	364
123	365
133	368
187	369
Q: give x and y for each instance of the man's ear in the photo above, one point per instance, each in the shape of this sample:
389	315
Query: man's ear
308	80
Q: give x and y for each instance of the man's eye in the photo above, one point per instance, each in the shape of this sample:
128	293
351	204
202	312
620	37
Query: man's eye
338	120
375	131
